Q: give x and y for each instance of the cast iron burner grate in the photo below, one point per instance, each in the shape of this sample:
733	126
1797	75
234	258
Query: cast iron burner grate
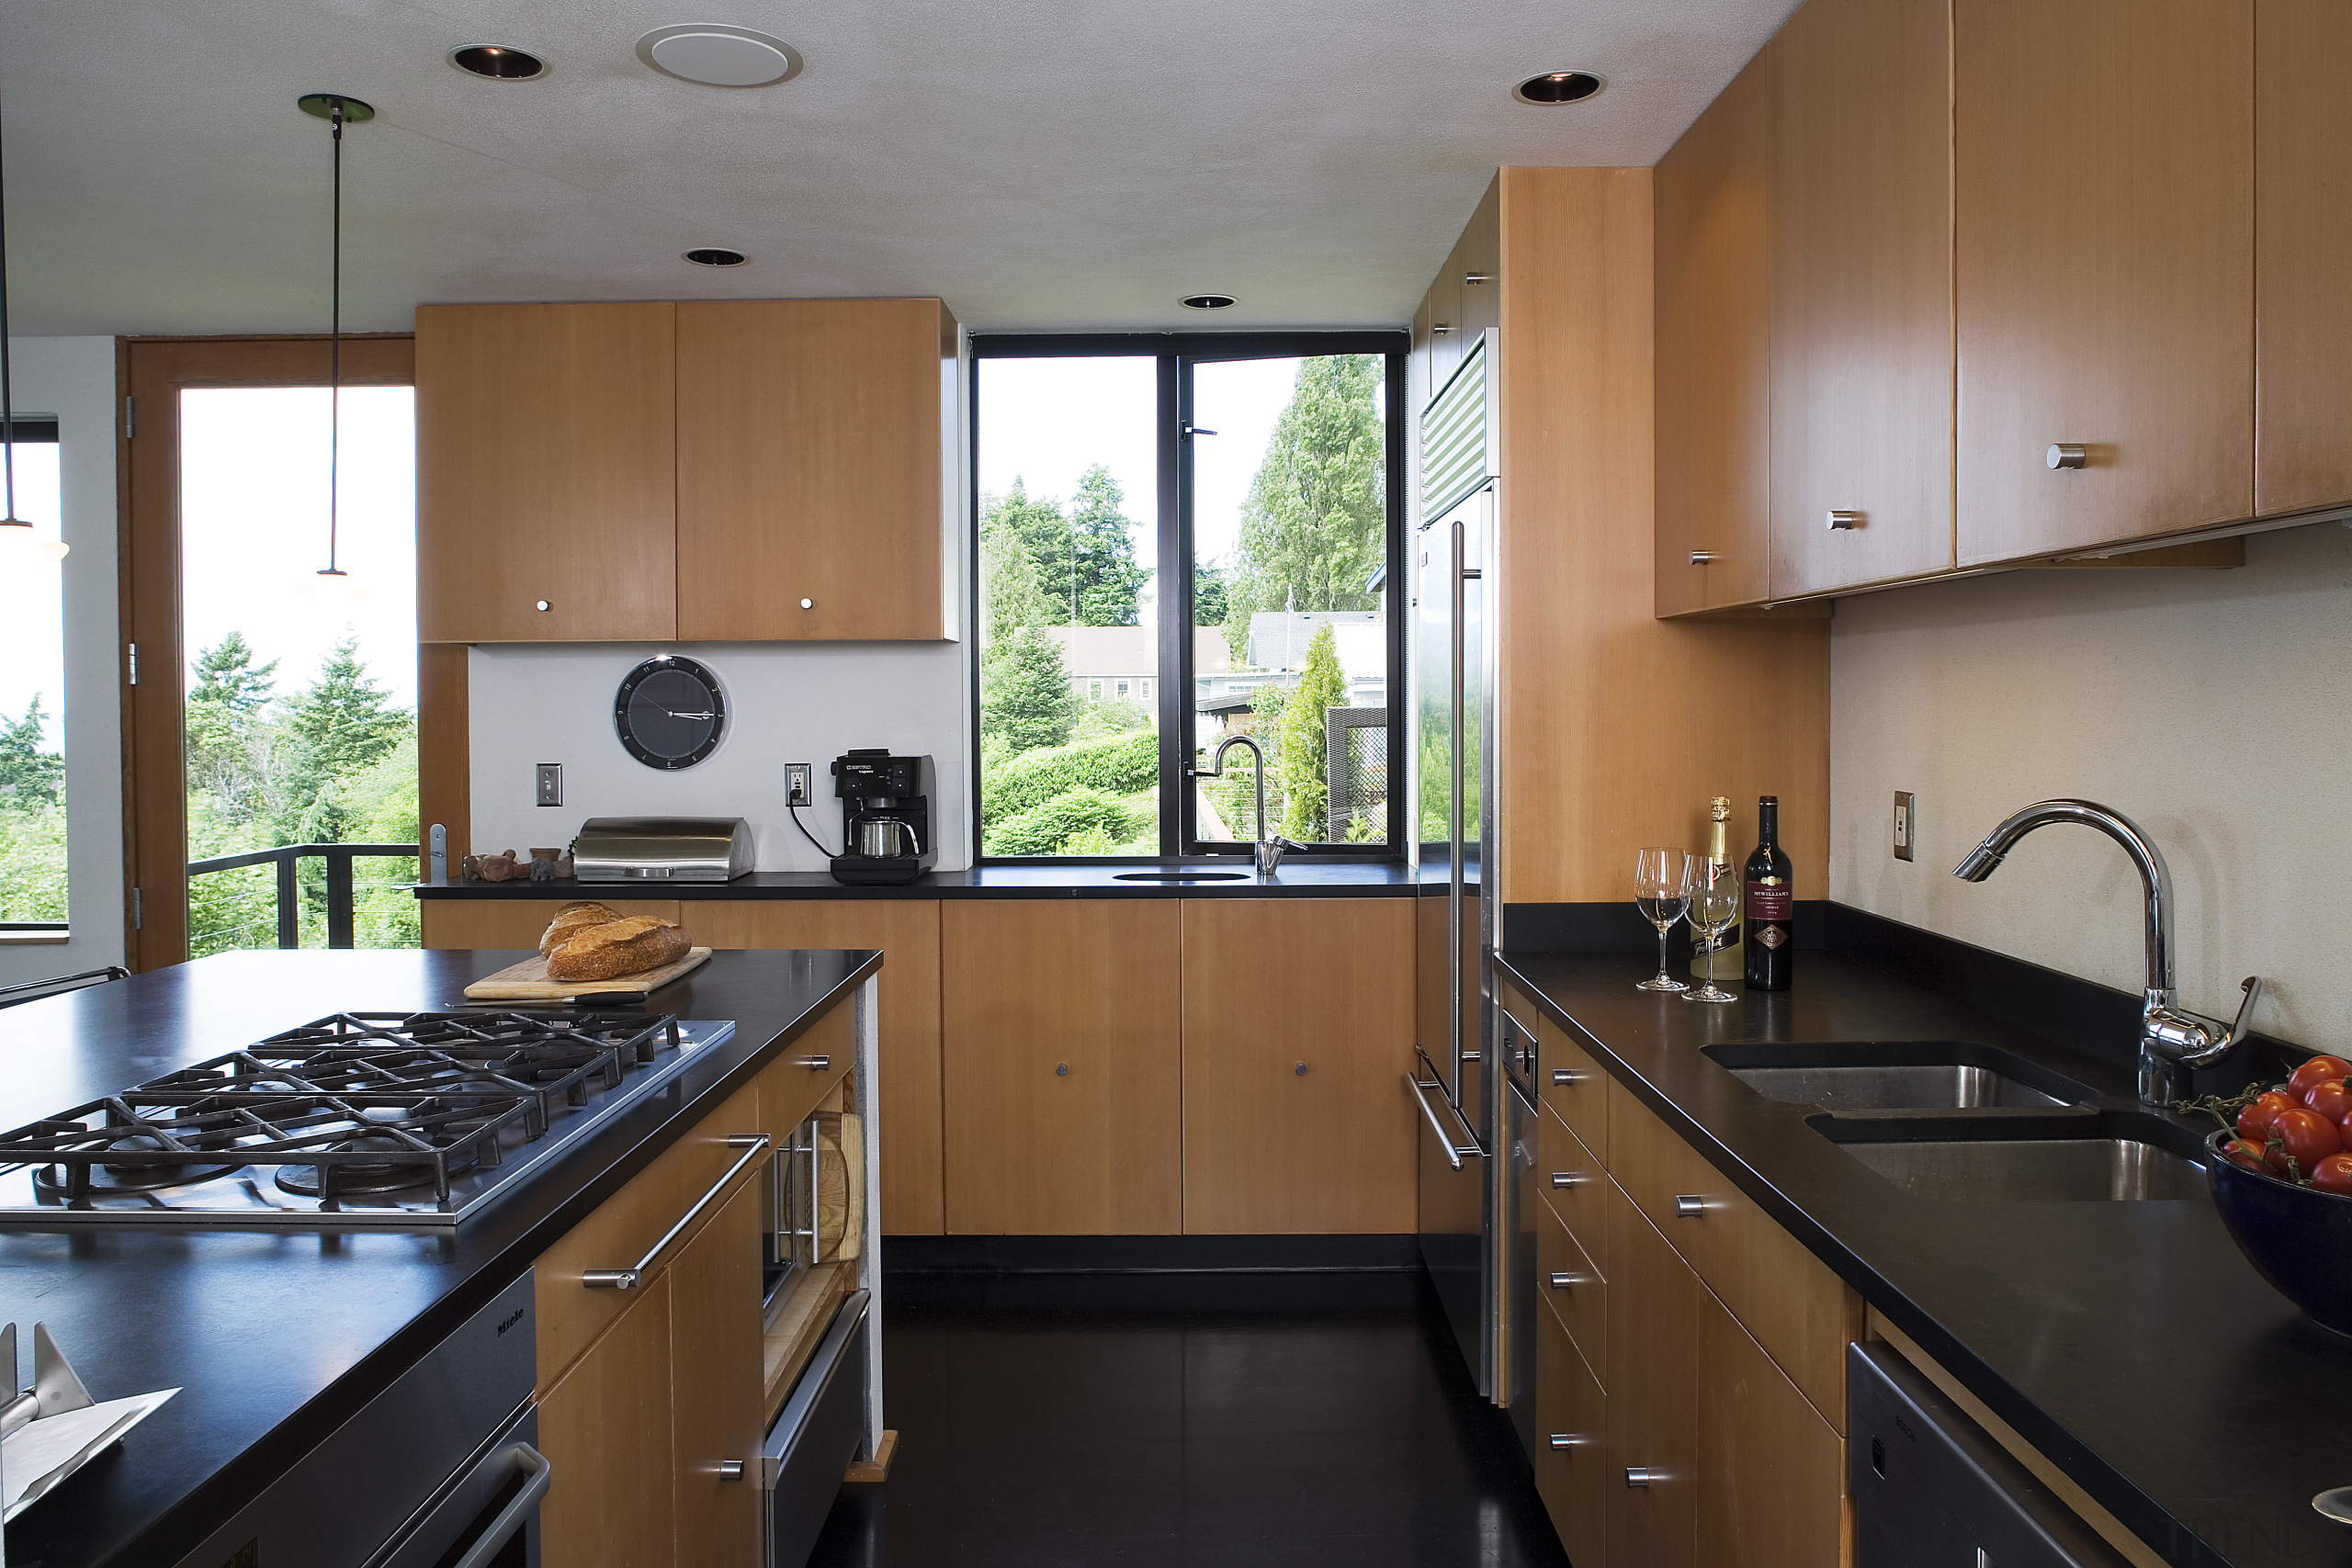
351	1106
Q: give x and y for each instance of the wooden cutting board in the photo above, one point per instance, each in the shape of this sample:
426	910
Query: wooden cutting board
527	981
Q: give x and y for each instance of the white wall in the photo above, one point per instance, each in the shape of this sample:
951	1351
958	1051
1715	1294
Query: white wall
72	378
786	703
2212	708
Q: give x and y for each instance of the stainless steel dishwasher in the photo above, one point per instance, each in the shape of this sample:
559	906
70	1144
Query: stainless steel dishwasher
1932	1489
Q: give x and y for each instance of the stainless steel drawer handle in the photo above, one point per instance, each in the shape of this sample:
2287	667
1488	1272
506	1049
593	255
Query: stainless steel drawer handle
1639	1475
754	1145
1567	1077
1688	1206
517	1512
1564	1280
1704	558
1846	520
1440	329
1569	1178
730	1470
817	1064
1569	1440
1452	1150
1474	278
2067	454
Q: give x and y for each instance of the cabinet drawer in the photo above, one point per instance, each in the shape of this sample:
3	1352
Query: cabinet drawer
1582	1203
1568	1279
623	1227
791	1087
1572	1464
1575	1087
1801	1313
1771	1471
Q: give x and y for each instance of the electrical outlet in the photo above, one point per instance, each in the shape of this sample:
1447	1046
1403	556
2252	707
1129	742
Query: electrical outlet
550	784
798	781
1904	824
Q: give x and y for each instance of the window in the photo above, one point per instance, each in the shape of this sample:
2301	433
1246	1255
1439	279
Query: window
32	696
1183	539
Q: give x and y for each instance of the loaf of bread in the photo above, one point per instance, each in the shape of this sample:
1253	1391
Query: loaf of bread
616	948
574	918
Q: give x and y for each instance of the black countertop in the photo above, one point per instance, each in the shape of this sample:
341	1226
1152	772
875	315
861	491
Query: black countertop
275	1337
1343	879
2129	1342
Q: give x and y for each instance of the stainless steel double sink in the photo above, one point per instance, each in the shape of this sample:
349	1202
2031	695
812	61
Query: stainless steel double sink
1959	1123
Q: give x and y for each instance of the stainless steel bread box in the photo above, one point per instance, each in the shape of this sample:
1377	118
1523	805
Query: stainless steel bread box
661	849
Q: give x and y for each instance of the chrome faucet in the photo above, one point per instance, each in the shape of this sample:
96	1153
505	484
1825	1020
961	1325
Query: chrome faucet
1270	846
2171	1041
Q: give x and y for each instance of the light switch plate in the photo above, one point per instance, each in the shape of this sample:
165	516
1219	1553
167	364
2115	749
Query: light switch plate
1904	824
550	784
799	782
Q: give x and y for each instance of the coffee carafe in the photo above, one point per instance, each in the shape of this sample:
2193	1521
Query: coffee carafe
886	818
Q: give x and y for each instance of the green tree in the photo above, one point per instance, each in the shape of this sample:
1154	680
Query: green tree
227	677
1025	694
1010	598
1314	524
1209	600
1109	578
1040	527
1305	751
30	773
335	729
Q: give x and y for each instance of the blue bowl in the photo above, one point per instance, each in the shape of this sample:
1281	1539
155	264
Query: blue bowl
2298	1238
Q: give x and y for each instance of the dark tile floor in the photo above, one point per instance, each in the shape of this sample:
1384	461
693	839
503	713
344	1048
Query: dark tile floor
1160	1420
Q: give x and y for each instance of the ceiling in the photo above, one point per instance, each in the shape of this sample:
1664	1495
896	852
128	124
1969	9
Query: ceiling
1041	164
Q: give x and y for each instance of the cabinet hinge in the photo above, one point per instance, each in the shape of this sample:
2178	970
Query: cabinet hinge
134	664
129	417
139	909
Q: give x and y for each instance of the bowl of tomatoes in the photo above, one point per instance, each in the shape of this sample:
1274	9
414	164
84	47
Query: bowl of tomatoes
2282	1173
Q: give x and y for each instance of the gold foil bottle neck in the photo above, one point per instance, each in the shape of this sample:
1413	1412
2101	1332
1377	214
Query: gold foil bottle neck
1719	808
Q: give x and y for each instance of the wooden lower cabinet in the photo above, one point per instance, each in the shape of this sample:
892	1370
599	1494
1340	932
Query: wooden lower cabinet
605	1427
1572	1467
519	923
718	1411
1298	1018
1652	1383
1772	1474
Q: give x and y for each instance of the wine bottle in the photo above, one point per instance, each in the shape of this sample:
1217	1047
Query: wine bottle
1772	904
1727	953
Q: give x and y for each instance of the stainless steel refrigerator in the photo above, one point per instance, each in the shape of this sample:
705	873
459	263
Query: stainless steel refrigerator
1465	1122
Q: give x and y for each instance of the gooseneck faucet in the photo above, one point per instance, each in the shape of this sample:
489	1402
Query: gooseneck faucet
2171	1041
1270	846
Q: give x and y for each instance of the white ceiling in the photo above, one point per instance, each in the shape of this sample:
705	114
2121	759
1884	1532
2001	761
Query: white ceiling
1041	164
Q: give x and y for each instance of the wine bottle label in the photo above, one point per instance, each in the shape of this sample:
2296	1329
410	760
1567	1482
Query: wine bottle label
1771	936
1768	901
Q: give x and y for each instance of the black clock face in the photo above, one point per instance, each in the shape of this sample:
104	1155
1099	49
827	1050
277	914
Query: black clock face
670	713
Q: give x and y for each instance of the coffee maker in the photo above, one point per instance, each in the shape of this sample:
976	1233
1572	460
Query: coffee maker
886	818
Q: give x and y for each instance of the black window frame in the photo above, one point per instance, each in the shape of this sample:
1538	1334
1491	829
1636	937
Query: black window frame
1175	354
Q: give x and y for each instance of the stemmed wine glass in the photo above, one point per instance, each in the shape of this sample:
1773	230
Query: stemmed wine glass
1714	904
1662	892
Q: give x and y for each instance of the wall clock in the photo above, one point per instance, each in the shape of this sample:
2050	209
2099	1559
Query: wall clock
670	712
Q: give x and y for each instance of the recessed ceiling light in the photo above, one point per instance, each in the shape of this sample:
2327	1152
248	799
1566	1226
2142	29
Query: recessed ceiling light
720	56
498	62
1559	87
1206	302
714	256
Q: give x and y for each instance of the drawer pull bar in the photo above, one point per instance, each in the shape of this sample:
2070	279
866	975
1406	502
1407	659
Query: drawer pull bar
754	1145
1688	1206
1639	1475
1569	1177
1452	1151
815	1064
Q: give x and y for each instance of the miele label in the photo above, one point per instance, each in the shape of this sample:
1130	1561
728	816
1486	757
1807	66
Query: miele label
511	1319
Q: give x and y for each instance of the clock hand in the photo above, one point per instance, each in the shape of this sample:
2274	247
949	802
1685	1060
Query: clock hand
675	714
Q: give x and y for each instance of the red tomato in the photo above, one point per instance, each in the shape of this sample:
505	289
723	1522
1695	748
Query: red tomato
2309	1136
2333	1174
2331	1099
2319	1069
2248	1155
2254	1122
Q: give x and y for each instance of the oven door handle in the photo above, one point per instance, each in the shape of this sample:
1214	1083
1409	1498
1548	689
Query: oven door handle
754	1145
517	1514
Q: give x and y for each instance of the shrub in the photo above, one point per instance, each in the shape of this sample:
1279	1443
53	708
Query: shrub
1044	830
1118	765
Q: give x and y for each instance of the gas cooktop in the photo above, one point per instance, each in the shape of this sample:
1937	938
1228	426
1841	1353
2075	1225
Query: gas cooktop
392	1121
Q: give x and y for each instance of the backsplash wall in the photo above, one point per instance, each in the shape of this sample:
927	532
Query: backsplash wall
786	703
2212	708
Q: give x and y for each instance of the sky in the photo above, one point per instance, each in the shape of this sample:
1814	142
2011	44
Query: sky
32	648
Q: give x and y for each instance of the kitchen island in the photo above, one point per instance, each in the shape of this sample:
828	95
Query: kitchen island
275	1337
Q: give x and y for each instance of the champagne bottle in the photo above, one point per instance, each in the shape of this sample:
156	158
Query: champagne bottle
1771	904
1728	952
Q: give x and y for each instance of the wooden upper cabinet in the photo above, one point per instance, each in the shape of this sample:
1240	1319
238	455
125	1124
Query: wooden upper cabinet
2104	196
1443	304
545	473
819	449
1713	384
2302	142
1861	286
1476	266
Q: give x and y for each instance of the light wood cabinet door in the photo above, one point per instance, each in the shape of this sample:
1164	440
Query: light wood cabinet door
907	931
1713	333
2103	269
1653	1395
1297	1024
1772	1474
717	1410
1861	285
817	463
1443	303
1062	1066
1477	266
520	922
1572	1465
545	473
605	1430
2303	145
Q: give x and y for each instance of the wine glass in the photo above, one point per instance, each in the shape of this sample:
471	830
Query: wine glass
1661	892
1714	904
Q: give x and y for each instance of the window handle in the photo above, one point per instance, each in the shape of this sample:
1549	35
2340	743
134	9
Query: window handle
1191	429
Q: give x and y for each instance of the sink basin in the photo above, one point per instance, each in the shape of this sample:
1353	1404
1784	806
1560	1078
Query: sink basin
2110	1158
1897	1076
1180	876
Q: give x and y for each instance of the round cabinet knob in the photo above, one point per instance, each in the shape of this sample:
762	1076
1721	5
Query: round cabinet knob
1061	1069
1300	1069
808	604
1845	520
543	606
1703	558
2066	454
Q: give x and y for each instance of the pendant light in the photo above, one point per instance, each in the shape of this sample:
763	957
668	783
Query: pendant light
331	584
19	545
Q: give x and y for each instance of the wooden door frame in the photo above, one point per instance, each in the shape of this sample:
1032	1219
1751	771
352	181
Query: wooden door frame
149	374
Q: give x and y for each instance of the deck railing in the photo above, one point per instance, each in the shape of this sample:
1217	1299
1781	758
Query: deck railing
339	885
